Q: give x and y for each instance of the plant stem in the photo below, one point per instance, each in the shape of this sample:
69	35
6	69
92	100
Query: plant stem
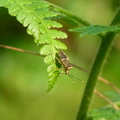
101	56
71	15
74	17
21	50
102	53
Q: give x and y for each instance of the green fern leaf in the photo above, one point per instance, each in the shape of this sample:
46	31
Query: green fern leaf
66	19
104	114
113	96
43	39
49	24
23	2
45	50
59	45
57	34
53	74
21	16
40	4
95	30
48	59
50	68
27	21
6	3
14	9
37	16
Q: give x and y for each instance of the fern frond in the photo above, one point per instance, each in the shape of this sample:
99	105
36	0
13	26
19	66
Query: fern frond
53	74
95	30
114	96
36	16
104	114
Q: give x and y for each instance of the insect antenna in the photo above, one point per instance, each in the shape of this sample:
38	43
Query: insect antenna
72	77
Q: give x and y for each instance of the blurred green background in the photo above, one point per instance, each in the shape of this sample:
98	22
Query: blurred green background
23	77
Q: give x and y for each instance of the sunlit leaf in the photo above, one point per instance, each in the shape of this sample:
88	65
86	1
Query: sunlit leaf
37	16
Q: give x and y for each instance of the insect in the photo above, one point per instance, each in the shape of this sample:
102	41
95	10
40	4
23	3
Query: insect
64	60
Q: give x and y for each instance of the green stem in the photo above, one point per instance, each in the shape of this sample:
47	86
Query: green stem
101	56
92	80
74	17
71	15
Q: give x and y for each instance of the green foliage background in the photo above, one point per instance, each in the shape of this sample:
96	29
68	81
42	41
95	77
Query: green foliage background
23	77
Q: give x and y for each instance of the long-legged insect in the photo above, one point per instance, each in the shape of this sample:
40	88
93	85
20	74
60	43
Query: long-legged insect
64	60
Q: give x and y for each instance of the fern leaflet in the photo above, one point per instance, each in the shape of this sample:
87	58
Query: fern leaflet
104	114
113	96
36	16
95	30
